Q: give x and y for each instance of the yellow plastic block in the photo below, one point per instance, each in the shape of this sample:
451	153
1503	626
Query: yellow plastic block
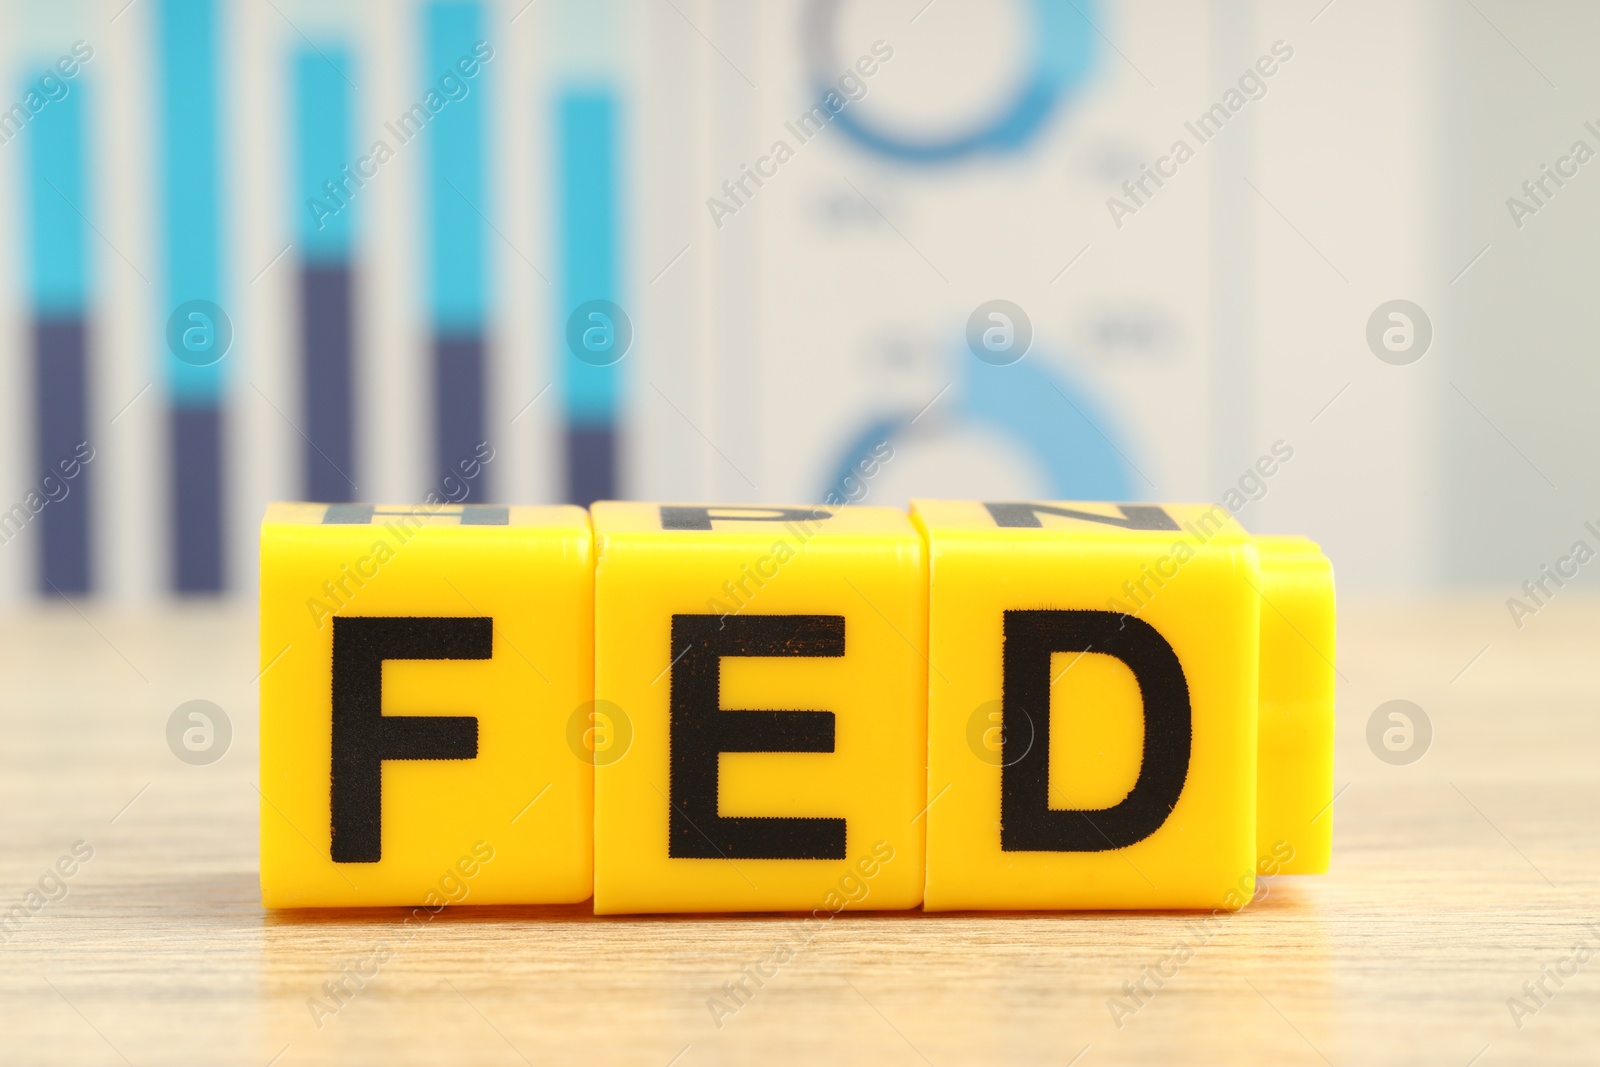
425	673
1093	706
769	664
1294	796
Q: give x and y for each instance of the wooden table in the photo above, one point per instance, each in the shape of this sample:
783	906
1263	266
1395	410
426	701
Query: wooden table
1456	880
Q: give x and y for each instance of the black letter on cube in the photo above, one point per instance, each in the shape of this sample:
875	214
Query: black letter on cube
1134	516
1027	822
674	517
702	730
363	736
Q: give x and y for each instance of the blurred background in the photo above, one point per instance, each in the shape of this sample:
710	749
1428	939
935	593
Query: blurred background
1324	262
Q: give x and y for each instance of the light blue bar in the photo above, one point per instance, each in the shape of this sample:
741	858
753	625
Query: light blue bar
325	218
586	123
457	282
190	206
58	263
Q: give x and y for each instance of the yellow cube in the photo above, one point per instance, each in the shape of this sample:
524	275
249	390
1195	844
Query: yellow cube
426	686
1093	707
770	666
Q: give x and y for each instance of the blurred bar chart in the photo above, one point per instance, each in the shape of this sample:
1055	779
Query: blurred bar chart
350	251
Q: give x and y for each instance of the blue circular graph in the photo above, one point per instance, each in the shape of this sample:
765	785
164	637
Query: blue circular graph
1063	428
1063	55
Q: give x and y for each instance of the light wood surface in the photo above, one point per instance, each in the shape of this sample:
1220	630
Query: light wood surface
1455	880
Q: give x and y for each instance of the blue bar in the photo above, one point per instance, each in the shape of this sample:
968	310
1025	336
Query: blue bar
58	285
457	288
587	222
58	266
451	107
191	207
327	179
191	221
328	184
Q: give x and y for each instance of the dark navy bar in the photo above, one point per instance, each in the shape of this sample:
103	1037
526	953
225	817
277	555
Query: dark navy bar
591	463
458	389
326	333
60	361
196	491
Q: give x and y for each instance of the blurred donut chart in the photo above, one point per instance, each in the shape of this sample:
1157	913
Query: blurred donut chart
1063	56
1059	424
